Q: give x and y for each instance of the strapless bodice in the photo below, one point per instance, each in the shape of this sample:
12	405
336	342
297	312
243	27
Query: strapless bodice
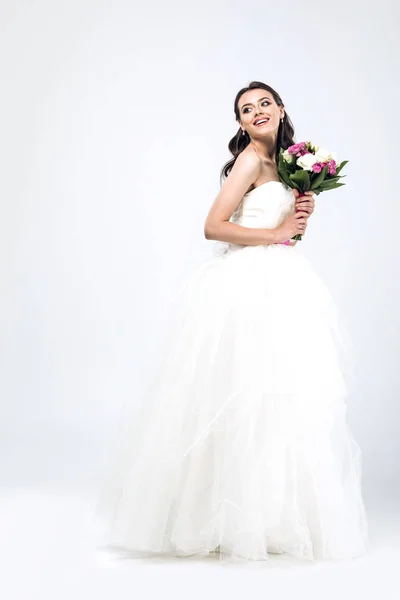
267	205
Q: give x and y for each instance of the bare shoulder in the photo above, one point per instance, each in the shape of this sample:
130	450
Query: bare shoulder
248	159
246	169
244	172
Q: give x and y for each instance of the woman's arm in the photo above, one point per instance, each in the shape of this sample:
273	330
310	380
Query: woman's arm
217	225
238	234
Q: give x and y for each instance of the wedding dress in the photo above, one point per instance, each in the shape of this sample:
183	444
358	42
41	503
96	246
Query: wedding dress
241	446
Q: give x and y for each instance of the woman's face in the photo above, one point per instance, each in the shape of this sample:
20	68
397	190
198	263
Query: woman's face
259	113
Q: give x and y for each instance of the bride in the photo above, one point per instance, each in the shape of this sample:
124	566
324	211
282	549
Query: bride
241	447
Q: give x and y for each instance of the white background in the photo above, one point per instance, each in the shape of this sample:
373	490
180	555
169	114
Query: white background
115	120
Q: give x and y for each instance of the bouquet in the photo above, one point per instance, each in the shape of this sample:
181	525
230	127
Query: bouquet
305	167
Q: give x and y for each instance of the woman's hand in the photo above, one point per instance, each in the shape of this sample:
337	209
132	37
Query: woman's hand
291	226
305	203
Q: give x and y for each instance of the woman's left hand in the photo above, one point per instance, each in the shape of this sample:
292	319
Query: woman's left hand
305	203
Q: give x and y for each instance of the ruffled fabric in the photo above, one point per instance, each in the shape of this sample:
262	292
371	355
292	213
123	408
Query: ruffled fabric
241	445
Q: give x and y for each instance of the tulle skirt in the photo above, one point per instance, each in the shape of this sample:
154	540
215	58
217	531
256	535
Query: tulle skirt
241	444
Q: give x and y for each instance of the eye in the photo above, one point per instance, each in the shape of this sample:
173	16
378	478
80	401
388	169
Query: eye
248	107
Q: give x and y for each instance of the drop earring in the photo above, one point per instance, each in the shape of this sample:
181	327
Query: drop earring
243	132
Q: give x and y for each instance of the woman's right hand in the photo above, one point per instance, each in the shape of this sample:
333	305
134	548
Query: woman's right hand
294	224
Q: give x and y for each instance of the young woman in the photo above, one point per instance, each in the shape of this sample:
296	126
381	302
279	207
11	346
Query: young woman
242	448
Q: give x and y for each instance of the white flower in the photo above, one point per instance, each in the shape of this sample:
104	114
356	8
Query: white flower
324	155
287	156
307	161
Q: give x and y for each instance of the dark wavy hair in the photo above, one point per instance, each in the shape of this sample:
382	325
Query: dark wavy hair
239	142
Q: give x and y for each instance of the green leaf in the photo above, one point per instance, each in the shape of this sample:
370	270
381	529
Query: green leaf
295	185
332	186
330	180
282	164
301	179
286	179
282	170
340	167
328	186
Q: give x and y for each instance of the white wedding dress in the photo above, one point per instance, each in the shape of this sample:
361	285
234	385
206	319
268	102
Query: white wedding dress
241	446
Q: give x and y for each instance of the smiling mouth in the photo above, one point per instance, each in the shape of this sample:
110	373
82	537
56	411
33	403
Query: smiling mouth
261	122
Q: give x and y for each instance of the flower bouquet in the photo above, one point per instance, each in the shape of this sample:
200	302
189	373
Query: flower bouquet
305	167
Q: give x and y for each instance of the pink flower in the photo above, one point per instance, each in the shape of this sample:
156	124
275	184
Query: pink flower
317	167
298	149
332	167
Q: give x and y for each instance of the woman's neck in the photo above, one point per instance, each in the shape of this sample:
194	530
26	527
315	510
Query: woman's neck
265	149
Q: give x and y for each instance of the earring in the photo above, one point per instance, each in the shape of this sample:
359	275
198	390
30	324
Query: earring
243	132
281	120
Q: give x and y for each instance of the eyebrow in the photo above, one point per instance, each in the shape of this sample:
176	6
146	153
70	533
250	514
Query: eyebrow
249	103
